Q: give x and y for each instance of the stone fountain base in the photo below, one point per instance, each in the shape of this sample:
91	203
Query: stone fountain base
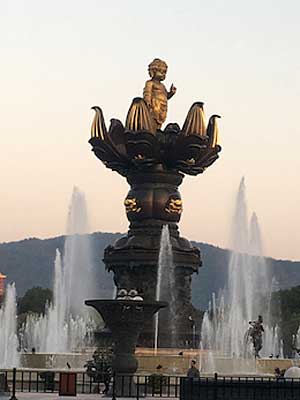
172	363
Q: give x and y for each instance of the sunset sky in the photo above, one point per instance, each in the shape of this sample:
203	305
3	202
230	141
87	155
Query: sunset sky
60	57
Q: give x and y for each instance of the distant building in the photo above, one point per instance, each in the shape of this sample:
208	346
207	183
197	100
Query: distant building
2	286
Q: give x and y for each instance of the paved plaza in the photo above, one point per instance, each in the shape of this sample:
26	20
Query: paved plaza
53	396
46	396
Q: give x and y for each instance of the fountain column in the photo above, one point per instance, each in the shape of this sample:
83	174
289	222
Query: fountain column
152	202
154	162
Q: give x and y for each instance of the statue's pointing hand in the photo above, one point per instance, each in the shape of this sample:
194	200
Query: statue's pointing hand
172	90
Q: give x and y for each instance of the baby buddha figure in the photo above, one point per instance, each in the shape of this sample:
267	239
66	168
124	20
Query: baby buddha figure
155	94
150	112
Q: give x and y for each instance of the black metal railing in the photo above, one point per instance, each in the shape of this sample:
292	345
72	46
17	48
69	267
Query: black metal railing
39	381
239	388
155	385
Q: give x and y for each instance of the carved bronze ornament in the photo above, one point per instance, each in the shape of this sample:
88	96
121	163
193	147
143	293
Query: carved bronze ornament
131	205
174	206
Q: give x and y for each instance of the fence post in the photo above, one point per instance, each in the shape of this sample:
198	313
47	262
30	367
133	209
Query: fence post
138	388
13	397
216	386
114	387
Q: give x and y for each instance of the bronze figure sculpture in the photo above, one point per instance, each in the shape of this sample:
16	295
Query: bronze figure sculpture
254	335
155	94
150	112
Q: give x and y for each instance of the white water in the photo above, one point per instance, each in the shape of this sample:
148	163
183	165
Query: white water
78	277
157	296
67	325
9	356
296	341
165	286
247	294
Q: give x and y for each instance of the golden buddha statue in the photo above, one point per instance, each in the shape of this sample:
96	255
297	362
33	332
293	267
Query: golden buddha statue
155	94
150	112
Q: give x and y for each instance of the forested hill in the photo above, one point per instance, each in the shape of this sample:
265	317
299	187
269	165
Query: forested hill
30	263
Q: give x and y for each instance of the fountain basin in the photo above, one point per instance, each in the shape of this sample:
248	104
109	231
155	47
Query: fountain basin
125	319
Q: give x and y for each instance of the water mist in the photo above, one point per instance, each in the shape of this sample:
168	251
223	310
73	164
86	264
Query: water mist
246	295
66	324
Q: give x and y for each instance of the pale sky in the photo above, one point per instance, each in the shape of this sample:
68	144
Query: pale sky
60	57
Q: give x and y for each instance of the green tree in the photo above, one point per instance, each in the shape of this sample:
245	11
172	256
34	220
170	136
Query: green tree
35	300
287	305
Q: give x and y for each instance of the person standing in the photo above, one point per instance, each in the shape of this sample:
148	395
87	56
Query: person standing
193	371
